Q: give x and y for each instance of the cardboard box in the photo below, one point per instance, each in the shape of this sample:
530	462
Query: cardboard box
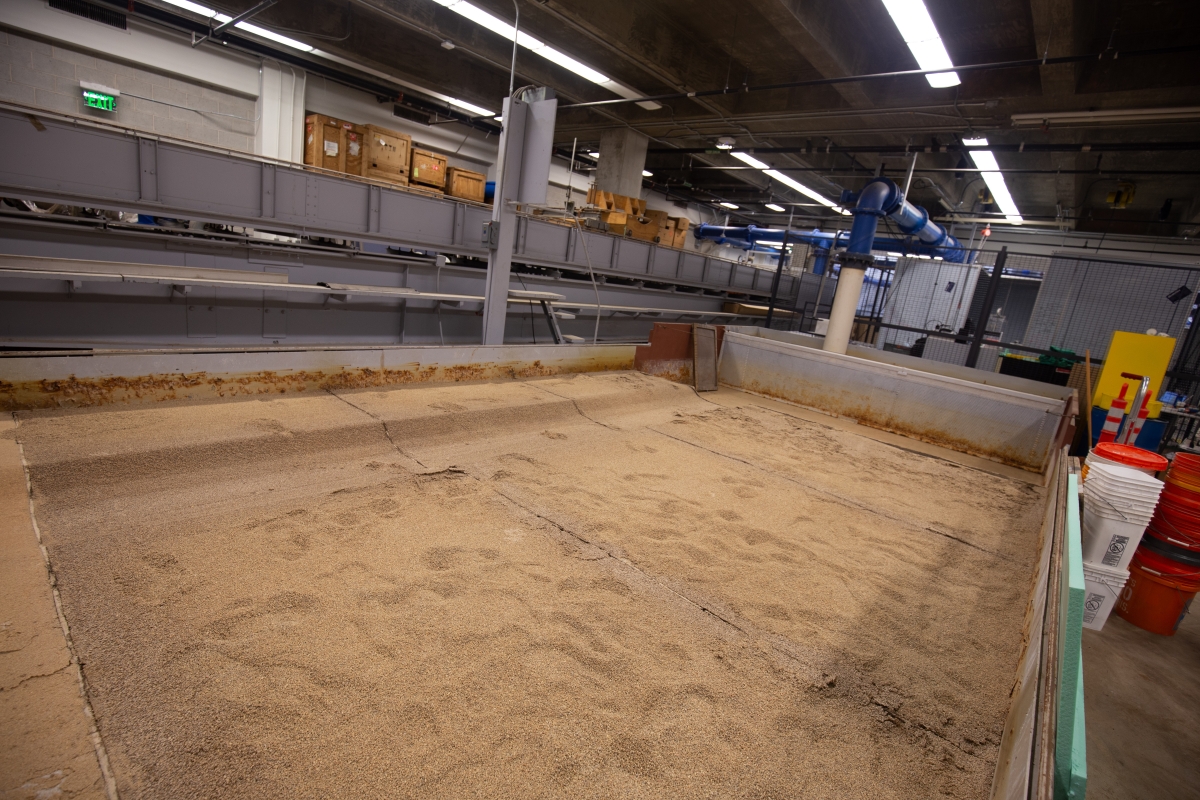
324	143
466	184
387	154
428	169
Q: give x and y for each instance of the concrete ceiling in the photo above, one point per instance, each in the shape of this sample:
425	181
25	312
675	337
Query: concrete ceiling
671	46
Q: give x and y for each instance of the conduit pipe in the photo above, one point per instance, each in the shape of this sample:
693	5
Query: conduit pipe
879	198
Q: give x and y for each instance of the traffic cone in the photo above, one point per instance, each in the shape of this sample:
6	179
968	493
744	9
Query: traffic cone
1134	428
1116	413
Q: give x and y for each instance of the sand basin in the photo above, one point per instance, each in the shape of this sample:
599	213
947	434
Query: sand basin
590	586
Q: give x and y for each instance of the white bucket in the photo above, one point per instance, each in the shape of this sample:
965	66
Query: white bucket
1121	473
1104	586
1106	506
1093	459
1109	542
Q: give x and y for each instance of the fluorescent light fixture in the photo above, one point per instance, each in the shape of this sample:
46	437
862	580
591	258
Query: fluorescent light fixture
728	205
474	109
989	169
454	101
502	28
594	154
204	11
751	161
647	173
1111	116
195	8
921	36
776	207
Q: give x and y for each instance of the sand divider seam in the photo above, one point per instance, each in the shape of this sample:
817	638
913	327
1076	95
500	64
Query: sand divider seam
839	498
822	674
110	782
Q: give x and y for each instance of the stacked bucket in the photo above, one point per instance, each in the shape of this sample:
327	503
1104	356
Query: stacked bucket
1120	497
1120	494
1165	570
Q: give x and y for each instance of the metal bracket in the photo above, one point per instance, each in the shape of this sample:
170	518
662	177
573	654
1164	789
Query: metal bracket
491	235
553	320
217	31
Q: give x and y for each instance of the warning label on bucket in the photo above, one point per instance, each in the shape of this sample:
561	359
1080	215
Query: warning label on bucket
1116	548
1091	605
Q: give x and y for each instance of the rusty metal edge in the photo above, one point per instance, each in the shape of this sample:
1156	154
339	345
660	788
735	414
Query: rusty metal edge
81	381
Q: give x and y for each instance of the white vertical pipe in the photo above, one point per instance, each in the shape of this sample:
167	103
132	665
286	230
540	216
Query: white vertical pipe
845	305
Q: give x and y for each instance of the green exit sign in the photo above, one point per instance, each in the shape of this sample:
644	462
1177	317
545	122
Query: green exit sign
104	102
101	97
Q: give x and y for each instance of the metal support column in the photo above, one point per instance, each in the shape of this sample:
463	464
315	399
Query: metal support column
989	299
500	234
778	275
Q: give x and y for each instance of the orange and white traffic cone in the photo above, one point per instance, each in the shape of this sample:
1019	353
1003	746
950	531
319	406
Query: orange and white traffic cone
1116	413
1134	428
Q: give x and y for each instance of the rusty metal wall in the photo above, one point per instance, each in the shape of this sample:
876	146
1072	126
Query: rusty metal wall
49	380
999	424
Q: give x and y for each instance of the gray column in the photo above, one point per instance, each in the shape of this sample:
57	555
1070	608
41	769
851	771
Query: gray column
622	159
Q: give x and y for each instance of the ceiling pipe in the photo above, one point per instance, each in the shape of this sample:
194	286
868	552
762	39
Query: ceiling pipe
932	238
1109	55
1022	147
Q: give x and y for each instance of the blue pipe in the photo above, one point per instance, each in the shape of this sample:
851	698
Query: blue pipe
879	198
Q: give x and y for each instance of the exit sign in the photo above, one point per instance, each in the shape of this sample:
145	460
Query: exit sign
101	97
104	102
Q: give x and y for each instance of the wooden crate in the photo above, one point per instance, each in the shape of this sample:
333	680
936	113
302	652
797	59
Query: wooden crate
428	169
387	177
465	184
607	201
648	229
387	154
324	142
615	220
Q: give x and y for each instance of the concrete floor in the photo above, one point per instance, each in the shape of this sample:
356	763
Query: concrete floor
1142	698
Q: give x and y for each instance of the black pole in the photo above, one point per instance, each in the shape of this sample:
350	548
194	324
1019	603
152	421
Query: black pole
989	299
778	277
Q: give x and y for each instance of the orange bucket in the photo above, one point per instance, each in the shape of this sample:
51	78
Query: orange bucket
1158	593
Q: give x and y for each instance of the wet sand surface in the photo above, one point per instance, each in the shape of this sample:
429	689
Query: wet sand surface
587	586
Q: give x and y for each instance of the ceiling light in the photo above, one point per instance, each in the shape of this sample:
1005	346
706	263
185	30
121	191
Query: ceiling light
921	36
647	173
594	155
1111	116
447	45
775	207
725	143
728	205
204	11
454	101
474	109
499	26
751	161
989	169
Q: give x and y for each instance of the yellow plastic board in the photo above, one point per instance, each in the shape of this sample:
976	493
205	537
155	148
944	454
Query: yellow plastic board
1138	354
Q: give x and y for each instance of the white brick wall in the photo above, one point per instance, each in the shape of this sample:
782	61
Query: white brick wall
47	76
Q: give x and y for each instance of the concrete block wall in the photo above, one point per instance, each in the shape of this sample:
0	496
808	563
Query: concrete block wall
47	76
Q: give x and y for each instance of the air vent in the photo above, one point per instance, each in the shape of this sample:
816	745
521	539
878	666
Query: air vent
82	8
